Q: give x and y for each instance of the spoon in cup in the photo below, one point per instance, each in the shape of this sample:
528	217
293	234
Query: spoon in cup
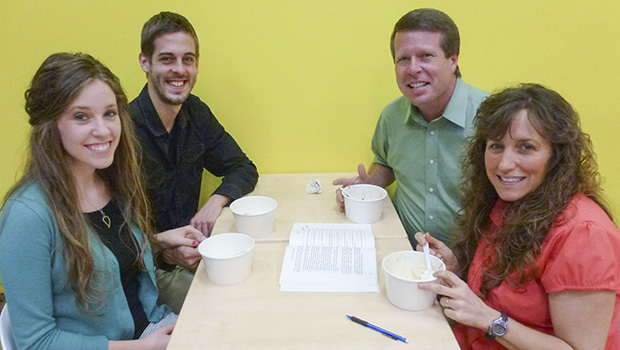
428	274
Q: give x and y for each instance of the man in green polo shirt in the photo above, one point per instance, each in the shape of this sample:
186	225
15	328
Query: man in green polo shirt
421	135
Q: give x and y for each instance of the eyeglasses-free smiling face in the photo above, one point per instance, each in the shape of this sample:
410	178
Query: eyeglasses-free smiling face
424	74
173	68
90	128
516	164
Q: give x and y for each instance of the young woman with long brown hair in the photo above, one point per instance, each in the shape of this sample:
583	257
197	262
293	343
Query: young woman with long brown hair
76	244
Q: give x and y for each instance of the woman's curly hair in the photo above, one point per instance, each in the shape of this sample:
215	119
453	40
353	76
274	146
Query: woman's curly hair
526	222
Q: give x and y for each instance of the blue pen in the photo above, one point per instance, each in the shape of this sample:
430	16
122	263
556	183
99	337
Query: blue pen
378	329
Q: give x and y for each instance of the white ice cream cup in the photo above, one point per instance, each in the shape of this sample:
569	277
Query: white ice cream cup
227	257
363	203
254	215
403	272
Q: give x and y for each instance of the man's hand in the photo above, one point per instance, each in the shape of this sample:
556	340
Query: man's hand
379	175
361	178
179	246
205	219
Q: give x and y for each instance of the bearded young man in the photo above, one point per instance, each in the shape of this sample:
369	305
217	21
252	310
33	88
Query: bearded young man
180	137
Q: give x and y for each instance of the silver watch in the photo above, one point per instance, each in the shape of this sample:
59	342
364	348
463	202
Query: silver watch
498	327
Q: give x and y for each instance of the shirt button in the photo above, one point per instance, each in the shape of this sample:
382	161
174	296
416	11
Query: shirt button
431	161
431	189
432	133
431	217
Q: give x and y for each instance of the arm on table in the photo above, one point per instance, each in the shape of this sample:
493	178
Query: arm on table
224	158
379	175
205	219
581	319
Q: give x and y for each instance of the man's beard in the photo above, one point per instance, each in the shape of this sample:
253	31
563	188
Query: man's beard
174	100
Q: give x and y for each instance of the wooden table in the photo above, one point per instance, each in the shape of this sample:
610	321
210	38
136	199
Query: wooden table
295	205
256	314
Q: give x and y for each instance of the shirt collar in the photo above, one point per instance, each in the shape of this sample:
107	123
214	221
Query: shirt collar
454	111
497	212
152	120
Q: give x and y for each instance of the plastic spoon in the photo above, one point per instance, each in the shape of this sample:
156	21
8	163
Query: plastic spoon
345	192
428	274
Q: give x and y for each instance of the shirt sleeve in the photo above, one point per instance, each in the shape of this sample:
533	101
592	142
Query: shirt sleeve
224	157
584	257
380	142
26	255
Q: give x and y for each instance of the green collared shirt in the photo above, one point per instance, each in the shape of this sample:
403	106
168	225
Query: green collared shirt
425	158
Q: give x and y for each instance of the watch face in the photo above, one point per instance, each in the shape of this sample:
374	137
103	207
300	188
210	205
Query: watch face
499	329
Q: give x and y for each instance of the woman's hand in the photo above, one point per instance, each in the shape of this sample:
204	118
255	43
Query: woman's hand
158	340
179	246
460	302
183	236
438	249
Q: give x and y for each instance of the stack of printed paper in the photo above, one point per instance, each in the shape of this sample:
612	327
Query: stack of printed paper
330	258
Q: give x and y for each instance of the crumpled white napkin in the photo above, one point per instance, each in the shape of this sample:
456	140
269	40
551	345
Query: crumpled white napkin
314	186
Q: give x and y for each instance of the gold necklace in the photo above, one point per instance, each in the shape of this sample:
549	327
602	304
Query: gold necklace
106	219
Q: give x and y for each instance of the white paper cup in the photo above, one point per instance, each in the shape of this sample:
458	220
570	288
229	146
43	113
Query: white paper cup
254	215
363	204
227	257
401	283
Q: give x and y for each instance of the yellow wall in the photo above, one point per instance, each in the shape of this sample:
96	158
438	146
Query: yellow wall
300	84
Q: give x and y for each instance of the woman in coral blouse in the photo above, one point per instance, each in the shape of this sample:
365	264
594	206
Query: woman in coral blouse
536	243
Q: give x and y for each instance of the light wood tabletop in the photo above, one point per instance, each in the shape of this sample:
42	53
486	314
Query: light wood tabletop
295	205
255	314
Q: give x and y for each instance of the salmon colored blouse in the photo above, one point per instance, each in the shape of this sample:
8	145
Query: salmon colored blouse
581	252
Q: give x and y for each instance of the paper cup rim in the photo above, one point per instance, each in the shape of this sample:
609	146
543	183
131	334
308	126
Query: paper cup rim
442	267
246	198
223	236
381	189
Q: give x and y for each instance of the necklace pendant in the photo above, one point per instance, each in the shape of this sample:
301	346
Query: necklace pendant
106	219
